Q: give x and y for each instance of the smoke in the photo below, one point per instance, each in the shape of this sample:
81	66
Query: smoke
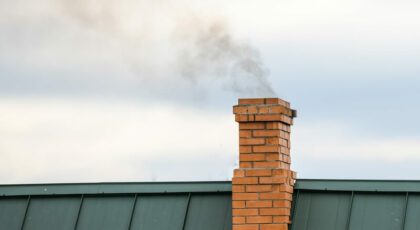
160	40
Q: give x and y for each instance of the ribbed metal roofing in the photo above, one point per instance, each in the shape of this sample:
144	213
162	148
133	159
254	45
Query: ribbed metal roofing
318	205
116	206
356	205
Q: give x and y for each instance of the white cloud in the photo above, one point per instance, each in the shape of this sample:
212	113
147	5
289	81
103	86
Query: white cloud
89	140
327	149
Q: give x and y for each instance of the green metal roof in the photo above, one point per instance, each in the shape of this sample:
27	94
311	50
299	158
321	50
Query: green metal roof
356	205
318	205
114	206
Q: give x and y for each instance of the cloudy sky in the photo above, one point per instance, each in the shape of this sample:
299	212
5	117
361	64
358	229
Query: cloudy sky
142	90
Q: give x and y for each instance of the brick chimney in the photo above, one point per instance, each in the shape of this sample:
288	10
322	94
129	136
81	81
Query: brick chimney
262	186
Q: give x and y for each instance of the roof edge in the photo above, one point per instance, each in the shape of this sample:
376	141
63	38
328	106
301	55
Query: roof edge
359	185
114	188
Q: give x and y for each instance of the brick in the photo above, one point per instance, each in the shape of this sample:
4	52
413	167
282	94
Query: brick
245	227
284	150
266	149
281	219
258	188
259	204
275	196
269	117
244	196
245	109
281	172
283	188
273	125
238	188
281	109
251	101
238	220
272	157
245	149
266	164
273	100
245	180
242	118
272	180
251	141
253	125
284	165
277	101
240	109
284	143
274	227
245	133
282	204
259	219
266	133
245	212
274	211
252	157
245	164
238	173
258	172
238	204
273	141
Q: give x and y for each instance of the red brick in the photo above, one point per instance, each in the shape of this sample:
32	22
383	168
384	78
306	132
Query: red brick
245	133
274	227
244	196
238	173
240	109
245	149
241	117
273	125
281	219
273	141
259	219
258	188
274	211
272	180
251	141
273	100
281	172
282	204
275	196
238	188
281	109
266	149
245	180
266	164
272	157
245	109
252	157
253	125
269	117
238	204
258	172
284	150
266	133
245	227
259	204
283	188
245	164
238	220
245	212
251	101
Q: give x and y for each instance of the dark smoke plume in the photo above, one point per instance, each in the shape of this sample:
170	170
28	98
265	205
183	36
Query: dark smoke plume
201	50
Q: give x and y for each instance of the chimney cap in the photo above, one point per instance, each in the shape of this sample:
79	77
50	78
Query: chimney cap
263	101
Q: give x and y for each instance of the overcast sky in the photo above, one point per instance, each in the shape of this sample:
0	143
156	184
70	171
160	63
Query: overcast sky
124	90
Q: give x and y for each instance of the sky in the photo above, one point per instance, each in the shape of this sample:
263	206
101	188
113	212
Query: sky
104	91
